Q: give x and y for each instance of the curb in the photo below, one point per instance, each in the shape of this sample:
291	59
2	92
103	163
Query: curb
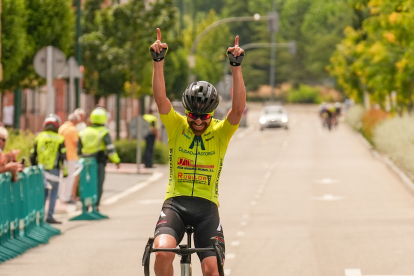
390	164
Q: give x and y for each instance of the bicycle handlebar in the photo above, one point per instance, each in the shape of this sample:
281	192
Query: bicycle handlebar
183	251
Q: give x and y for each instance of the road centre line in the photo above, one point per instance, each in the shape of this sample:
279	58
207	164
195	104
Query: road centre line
357	272
235	243
112	199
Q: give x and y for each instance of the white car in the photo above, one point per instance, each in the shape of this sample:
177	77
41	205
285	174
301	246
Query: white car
273	116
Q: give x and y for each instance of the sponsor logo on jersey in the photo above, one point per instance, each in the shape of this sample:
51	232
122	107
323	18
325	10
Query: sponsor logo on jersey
190	177
208	153
183	133
185	162
171	167
162	214
218	175
208	139
207	133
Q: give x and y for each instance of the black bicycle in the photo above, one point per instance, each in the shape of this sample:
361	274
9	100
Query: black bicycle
185	251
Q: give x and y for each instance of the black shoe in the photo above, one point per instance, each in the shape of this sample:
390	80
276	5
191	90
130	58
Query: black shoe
53	221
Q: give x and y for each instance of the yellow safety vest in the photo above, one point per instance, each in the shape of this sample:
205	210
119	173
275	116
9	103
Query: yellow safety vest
91	138
48	143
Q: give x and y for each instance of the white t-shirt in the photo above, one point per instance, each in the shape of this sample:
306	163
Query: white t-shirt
81	126
8	115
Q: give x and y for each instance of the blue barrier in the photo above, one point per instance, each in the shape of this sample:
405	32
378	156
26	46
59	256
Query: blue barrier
88	190
22	213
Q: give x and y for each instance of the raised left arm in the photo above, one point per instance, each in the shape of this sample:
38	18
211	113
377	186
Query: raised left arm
239	90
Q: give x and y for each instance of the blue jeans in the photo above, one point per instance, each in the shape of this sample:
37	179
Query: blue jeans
52	194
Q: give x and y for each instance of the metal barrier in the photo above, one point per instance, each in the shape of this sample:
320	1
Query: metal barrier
88	190
22	213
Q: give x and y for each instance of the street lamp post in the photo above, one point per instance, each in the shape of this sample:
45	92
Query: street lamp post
273	28
78	50
1	66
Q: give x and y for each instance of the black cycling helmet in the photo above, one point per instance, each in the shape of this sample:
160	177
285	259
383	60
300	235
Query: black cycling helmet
200	97
52	122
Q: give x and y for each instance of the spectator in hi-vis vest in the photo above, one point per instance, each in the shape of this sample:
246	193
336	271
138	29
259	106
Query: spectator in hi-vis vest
95	142
50	152
150	138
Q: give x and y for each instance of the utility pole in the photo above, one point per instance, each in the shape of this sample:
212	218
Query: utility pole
273	28
78	49
1	65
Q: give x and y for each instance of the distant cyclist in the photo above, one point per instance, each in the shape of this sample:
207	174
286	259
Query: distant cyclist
197	145
338	112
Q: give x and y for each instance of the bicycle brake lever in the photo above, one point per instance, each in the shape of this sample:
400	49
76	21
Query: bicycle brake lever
146	257
219	255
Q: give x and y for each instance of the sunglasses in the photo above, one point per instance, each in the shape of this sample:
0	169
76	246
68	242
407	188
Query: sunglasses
3	139
194	116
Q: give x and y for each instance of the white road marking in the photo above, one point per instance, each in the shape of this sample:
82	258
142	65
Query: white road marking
259	191
329	197
253	203
357	272
245	216
245	132
235	243
230	256
112	199
240	233
267	175
326	181
227	271
257	196
353	272
243	223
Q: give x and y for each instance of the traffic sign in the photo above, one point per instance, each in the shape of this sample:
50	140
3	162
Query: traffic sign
58	62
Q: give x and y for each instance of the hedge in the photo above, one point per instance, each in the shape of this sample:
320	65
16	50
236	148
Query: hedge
22	140
305	94
127	151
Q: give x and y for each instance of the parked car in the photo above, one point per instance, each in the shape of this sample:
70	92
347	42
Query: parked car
273	116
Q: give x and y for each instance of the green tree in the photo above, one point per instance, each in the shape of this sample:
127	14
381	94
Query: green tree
48	23
322	29
13	40
211	50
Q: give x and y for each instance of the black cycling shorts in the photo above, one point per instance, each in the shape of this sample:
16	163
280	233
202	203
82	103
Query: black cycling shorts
202	214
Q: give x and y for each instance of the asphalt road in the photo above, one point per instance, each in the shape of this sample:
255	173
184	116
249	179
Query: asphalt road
299	202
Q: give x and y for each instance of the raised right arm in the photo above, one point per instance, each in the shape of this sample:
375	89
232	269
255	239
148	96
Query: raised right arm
158	82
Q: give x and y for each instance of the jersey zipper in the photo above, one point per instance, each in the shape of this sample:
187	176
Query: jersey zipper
195	169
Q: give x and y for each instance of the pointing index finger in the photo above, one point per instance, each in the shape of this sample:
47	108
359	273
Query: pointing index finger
236	41
158	34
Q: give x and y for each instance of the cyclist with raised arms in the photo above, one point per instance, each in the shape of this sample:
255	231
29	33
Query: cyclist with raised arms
197	145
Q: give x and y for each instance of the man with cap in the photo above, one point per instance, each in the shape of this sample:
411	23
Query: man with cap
49	151
95	142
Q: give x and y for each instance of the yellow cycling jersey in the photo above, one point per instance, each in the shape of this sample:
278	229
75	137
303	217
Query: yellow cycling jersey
196	161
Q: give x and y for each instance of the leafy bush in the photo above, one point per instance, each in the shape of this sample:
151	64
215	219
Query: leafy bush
354	116
370	120
127	151
21	140
305	94
395	138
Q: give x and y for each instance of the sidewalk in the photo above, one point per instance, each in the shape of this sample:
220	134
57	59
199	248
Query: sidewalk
116	181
